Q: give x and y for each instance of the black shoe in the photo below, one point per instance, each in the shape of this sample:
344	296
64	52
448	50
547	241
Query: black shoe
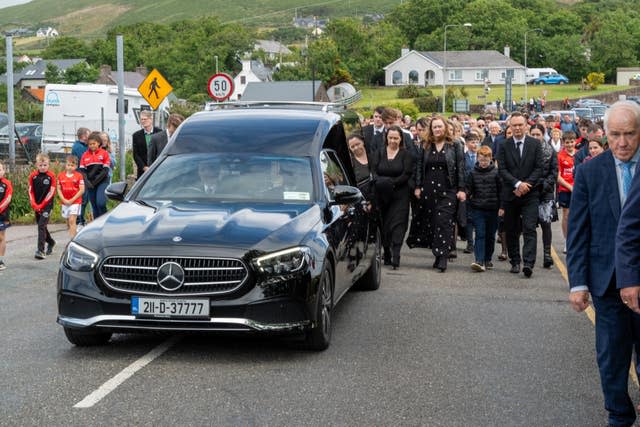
515	269
442	264
468	249
50	247
547	261
387	258
453	254
488	265
528	271
394	266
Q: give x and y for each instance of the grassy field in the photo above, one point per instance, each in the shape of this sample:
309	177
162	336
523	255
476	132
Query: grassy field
92	18
372	97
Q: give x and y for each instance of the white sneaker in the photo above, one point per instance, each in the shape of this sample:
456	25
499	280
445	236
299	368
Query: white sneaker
477	267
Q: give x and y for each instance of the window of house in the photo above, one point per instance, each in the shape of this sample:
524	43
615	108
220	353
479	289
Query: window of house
413	77
243	80
481	75
397	77
455	75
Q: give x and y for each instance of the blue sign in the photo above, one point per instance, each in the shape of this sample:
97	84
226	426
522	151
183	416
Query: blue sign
52	99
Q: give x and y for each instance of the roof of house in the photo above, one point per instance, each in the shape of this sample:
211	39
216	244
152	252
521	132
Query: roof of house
36	71
467	59
272	46
281	91
36	93
131	78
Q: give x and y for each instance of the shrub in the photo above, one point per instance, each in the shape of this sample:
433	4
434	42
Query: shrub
406	108
594	80
410	91
426	104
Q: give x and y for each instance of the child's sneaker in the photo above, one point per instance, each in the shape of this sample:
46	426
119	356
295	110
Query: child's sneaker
39	255
50	247
488	265
477	267
2	266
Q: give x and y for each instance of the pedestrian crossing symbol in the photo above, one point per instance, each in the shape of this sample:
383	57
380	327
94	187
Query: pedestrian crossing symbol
155	88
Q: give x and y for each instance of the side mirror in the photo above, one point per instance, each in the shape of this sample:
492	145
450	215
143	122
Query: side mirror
346	195
116	191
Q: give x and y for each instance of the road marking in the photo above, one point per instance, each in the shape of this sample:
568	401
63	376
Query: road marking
591	314
125	374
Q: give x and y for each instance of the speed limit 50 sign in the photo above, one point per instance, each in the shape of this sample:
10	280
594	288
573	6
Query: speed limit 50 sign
220	86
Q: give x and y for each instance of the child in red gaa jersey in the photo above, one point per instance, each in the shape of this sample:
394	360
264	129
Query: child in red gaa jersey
565	177
95	164
6	192
70	189
42	188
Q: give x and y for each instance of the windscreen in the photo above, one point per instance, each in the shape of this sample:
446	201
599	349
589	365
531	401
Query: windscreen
230	177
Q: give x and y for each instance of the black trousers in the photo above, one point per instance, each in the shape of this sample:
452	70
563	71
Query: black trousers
43	232
521	210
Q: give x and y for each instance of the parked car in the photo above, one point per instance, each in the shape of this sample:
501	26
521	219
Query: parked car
588	102
234	228
559	114
4	120
30	135
551	79
599	110
584	112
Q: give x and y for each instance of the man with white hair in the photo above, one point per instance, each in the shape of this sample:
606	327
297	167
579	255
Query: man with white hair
600	190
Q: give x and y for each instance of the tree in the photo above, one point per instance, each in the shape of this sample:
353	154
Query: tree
615	42
65	47
52	73
81	72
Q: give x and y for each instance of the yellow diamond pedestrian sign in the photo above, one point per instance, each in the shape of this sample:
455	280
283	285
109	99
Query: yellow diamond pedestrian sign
154	88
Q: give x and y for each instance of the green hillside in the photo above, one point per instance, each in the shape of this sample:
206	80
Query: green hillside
87	18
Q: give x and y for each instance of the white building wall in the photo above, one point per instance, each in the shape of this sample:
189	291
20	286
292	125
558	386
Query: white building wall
238	88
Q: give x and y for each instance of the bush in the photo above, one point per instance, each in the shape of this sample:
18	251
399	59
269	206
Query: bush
426	104
594	80
410	91
406	108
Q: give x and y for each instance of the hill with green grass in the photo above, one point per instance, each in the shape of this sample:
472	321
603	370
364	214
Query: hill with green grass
93	18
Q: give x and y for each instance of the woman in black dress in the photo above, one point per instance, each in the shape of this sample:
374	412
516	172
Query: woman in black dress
417	205
440	185
392	167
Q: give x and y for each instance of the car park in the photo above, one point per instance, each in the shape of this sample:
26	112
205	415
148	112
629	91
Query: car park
585	113
588	102
249	222
551	79
599	110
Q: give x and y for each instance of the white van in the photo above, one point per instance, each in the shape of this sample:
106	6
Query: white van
534	73
94	106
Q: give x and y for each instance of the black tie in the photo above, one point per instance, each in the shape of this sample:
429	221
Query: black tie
518	144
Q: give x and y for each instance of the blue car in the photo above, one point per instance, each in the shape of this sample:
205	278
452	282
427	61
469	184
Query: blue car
551	79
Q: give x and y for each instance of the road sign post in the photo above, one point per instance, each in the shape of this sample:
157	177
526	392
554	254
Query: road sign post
220	86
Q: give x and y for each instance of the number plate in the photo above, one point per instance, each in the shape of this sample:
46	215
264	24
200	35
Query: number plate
169	307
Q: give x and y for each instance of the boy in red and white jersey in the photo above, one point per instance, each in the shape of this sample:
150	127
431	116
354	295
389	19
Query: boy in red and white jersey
566	166
70	190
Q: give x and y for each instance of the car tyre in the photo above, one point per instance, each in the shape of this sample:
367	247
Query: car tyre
372	278
319	337
561	82
83	338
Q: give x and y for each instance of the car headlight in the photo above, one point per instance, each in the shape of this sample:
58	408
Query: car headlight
283	262
79	258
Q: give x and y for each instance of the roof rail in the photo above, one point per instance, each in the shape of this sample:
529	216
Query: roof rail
320	106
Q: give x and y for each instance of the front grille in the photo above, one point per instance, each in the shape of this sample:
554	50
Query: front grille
202	276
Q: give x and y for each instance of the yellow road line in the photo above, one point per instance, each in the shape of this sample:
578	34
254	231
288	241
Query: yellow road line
591	314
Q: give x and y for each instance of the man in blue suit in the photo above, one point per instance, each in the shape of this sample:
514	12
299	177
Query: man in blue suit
598	196
628	247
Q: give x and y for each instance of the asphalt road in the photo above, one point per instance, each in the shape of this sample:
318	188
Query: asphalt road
426	349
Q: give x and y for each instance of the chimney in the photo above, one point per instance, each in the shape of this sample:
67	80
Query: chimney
404	51
105	70
142	70
507	51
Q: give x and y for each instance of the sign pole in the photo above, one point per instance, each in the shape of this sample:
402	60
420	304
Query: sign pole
120	60
10	107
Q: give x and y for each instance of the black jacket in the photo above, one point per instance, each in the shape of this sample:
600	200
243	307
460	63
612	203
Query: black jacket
139	143
514	168
484	187
547	182
454	153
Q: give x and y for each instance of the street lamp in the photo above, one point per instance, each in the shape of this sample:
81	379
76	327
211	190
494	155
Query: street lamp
444	66
535	30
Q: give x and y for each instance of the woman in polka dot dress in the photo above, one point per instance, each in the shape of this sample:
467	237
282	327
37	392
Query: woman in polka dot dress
440	184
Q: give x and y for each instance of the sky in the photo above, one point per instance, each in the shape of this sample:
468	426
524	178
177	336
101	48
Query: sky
7	3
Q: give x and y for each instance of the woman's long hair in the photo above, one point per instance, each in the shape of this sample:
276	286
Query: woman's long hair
448	137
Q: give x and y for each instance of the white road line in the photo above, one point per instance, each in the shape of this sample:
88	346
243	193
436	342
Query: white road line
126	373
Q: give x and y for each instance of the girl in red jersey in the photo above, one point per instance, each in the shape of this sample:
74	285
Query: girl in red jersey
565	177
95	164
70	189
6	192
42	188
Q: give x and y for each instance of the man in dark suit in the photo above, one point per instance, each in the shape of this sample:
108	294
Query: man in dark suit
598	195
374	133
159	140
141	140
520	168
494	138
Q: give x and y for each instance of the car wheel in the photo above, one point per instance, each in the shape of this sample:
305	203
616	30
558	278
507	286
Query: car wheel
319	336
83	338
540	82
561	82
372	278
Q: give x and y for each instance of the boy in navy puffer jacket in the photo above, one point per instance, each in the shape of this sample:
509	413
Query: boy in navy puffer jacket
483	193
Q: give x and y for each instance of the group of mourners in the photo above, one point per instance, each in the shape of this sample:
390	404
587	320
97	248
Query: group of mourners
440	179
